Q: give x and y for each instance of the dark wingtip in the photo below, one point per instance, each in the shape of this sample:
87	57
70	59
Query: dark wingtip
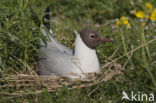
46	18
47	9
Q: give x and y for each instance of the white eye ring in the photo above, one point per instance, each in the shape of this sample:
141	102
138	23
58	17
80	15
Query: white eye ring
91	36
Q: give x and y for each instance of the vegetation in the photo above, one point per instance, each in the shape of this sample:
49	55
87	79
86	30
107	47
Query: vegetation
131	23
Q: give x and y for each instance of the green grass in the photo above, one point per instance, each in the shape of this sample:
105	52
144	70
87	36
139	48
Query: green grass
19	43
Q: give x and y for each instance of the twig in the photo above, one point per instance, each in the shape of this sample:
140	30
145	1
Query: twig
93	90
128	60
114	53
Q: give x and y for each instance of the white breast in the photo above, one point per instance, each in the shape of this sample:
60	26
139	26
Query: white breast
86	56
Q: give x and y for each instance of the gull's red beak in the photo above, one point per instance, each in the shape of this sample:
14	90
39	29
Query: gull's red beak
102	39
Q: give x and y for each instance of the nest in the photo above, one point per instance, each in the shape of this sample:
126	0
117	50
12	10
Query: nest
23	84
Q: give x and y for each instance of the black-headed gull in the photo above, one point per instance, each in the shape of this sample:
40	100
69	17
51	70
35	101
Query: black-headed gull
57	59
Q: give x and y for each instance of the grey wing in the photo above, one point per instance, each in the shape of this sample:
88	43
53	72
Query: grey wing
54	45
56	63
65	49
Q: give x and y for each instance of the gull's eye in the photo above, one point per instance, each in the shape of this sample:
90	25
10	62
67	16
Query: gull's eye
91	36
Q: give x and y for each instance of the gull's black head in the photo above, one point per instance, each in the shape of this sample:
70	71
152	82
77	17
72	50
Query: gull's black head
92	38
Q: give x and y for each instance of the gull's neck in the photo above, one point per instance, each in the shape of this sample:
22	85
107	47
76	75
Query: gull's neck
86	56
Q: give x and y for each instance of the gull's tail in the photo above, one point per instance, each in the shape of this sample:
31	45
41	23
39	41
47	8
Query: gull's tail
46	18
46	27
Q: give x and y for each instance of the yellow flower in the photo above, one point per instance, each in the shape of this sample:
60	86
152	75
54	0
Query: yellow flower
124	20
139	14
153	15
149	6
